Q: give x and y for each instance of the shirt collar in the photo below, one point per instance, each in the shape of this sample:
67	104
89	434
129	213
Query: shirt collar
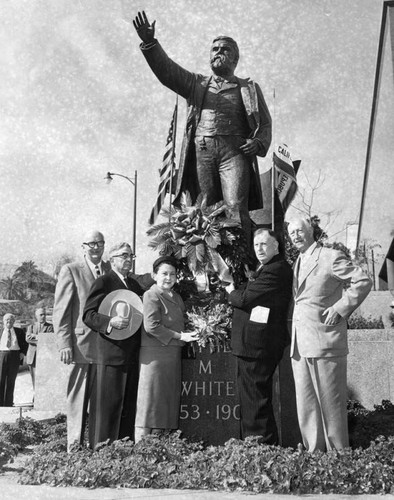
219	80
123	278
308	252
92	266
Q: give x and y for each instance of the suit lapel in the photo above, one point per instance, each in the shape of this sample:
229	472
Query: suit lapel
85	269
309	266
118	283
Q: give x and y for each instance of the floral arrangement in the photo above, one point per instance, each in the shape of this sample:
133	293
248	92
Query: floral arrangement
213	324
205	239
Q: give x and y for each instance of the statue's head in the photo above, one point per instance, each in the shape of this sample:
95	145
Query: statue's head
224	55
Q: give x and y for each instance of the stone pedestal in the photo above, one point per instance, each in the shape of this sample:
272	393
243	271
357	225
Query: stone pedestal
209	403
371	366
51	376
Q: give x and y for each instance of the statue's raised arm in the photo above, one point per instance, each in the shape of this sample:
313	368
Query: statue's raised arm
228	125
145	30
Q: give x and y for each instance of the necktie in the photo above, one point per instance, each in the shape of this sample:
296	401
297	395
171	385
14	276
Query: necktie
9	340
97	269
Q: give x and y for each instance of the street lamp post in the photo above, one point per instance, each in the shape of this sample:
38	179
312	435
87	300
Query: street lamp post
108	178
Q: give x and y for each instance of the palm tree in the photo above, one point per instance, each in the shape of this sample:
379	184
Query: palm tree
28	274
11	288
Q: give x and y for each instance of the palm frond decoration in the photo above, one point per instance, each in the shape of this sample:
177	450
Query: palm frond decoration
202	236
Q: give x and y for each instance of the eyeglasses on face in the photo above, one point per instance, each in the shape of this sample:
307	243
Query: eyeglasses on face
95	244
125	256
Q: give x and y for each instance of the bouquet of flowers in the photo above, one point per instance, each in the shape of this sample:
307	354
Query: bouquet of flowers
213	324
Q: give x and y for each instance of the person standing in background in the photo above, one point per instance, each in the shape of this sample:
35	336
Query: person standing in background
40	326
13	346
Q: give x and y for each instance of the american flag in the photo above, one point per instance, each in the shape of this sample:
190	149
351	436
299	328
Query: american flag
167	170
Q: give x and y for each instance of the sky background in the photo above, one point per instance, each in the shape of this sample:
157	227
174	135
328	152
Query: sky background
78	99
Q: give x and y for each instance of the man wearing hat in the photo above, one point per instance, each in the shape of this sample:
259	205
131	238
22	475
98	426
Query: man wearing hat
117	359
40	326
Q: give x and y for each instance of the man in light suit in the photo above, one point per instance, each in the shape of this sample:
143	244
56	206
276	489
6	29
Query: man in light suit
40	326
13	346
117	360
258	342
77	343
327	288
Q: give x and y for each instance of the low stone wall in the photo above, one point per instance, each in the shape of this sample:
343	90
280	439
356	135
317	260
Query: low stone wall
377	304
209	402
371	366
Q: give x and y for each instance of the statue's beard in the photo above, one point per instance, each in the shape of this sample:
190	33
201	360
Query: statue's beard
221	65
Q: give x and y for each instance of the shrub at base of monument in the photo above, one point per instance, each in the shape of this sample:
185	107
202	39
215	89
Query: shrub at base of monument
366	425
167	461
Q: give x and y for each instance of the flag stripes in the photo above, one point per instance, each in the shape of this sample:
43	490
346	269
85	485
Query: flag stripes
167	170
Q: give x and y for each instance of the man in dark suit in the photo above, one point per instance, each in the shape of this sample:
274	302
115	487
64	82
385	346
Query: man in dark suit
40	326
76	342
260	334
13	346
117	360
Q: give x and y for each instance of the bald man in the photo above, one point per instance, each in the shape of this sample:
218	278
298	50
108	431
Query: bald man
12	347
327	288
77	343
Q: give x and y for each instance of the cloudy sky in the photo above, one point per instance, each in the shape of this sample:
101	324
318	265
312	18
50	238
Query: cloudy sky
77	100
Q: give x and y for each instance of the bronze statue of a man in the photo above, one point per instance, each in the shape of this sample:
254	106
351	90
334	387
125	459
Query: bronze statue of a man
228	124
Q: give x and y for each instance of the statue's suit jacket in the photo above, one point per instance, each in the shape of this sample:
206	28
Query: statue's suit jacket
32	338
329	279
73	285
271	288
193	87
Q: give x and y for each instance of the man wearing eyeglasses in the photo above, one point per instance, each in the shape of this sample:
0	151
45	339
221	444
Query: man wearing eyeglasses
117	360
77	343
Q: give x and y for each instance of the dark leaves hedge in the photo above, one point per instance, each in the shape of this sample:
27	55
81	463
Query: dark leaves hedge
169	461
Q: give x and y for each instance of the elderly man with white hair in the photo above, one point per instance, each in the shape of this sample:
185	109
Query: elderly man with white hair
13	346
327	288
117	360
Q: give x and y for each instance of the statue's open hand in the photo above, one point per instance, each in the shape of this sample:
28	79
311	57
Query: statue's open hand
250	147
145	30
